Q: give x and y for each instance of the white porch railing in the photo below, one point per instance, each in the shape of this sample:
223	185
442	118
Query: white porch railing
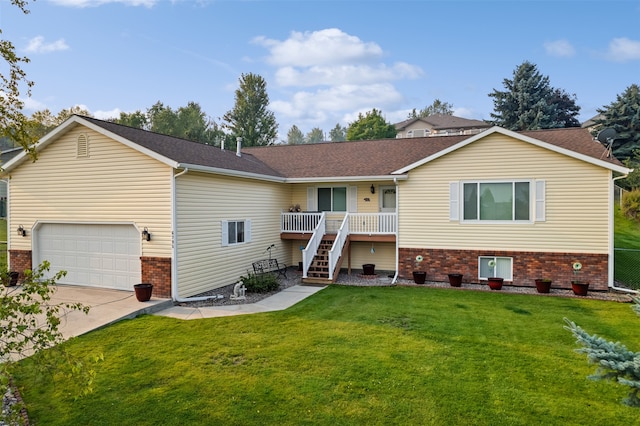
302	222
338	244
311	249
373	223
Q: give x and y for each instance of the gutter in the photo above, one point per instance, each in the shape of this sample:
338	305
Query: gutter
611	244
395	277
174	268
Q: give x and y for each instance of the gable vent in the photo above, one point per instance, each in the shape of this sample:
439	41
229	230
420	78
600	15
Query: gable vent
83	146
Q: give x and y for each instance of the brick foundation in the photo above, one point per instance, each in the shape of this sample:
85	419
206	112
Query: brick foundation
157	271
527	266
19	261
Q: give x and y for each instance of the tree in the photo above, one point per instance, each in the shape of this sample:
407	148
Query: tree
137	119
437	107
42	122
338	134
250	119
315	135
370	126
623	115
295	136
13	123
530	103
615	362
31	324
187	122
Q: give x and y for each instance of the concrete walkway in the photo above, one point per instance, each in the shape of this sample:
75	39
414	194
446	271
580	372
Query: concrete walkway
279	301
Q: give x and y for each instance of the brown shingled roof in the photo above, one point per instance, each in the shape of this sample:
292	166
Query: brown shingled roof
445	122
336	159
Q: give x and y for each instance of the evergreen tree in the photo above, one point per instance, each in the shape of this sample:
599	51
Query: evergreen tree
623	115
315	135
250	119
370	126
615	362
530	103
437	107
295	136
338	134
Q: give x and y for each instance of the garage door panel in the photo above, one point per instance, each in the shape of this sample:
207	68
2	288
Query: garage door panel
95	255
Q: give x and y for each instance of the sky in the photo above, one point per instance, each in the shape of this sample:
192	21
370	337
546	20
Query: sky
324	61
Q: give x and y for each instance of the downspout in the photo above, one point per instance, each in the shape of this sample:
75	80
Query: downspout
174	266
611	243
395	277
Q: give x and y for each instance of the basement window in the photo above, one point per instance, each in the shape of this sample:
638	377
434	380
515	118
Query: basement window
493	266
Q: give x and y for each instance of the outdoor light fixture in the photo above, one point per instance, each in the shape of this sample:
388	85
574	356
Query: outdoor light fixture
21	231
146	235
373	189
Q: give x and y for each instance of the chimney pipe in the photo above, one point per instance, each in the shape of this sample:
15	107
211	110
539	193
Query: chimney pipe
239	144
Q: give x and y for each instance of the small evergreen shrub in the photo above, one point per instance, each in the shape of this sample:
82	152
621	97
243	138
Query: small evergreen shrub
260	283
615	362
631	204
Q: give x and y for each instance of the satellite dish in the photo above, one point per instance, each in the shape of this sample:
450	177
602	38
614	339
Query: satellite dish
606	136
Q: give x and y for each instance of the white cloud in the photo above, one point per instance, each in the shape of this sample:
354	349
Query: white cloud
331	76
325	47
96	3
559	48
30	104
345	74
38	45
314	107
623	50
105	115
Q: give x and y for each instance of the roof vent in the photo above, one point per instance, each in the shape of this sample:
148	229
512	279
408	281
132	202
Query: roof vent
239	145
82	147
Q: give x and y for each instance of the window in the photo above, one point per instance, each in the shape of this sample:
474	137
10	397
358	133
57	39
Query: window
236	232
332	199
491	266
496	201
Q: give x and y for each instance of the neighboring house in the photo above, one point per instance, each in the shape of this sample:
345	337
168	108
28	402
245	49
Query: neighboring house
535	202
7	154
439	125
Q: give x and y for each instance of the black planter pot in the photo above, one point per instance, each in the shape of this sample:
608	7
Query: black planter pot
419	277
455	280
368	269
143	291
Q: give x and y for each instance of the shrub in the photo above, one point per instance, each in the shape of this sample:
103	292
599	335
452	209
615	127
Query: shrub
631	204
260	283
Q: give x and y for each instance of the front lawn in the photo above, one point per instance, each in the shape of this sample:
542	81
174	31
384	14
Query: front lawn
627	253
352	356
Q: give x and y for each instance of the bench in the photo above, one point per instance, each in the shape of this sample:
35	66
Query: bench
270	265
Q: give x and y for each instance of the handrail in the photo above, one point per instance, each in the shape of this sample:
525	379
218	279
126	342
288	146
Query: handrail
302	222
338	244
312	246
373	223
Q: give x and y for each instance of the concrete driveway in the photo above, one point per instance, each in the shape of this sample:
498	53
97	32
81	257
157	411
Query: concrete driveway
106	307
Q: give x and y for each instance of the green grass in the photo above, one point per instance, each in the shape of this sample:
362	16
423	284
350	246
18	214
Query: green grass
351	356
627	262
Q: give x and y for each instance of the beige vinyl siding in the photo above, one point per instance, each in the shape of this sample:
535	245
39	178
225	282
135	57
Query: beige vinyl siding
203	201
114	184
299	194
384	257
577	195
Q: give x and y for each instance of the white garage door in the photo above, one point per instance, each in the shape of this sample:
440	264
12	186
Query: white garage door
93	255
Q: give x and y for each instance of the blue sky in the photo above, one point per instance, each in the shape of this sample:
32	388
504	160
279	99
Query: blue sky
323	61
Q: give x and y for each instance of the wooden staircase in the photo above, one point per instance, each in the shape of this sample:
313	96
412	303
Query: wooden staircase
319	270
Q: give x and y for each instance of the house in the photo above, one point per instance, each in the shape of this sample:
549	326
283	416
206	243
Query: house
8	152
439	125
114	206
